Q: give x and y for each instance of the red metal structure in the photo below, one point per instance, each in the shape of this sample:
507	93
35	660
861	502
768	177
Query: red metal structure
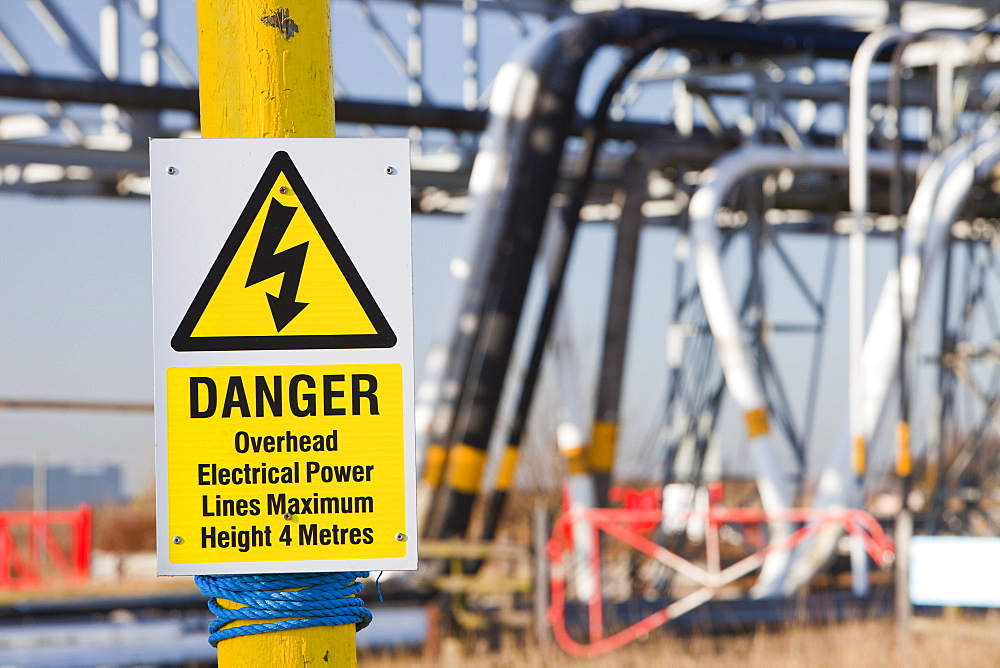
637	499
631	526
37	547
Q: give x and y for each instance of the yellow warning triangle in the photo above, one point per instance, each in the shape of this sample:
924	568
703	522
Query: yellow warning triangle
283	280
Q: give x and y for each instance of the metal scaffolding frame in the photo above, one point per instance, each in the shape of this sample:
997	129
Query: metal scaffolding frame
79	97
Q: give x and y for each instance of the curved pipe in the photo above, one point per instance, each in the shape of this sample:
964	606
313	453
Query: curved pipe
932	210
936	203
505	153
858	194
515	219
934	213
869	372
737	363
514	92
858	197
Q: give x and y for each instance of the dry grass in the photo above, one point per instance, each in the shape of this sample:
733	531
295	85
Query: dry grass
91	591
931	644
128	527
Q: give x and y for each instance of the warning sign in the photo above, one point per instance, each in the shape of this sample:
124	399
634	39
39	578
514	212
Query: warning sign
283	356
283	280
300	462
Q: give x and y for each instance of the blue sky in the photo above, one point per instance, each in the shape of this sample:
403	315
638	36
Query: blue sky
77	326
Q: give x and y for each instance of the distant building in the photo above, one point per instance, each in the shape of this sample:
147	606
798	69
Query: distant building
67	485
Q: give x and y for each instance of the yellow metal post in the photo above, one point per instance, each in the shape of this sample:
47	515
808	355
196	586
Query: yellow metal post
266	70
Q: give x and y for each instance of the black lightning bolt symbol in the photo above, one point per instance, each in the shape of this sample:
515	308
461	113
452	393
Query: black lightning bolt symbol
289	262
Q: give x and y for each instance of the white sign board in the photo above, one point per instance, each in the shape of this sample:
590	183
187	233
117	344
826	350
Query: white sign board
283	355
955	570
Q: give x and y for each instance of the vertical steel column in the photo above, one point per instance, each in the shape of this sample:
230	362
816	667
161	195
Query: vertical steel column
470	66
415	56
149	59
904	463
146	123
82	542
415	63
109	21
109	35
558	240
604	434
946	393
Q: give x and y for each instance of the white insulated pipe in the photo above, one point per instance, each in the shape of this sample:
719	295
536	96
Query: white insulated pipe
858	197
737	363
857	190
936	203
858	174
917	222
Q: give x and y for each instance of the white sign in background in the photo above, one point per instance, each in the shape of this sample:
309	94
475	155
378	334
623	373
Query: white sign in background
955	570
200	187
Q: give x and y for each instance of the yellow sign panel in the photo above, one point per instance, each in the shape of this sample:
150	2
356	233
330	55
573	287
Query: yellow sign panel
281	463
283	280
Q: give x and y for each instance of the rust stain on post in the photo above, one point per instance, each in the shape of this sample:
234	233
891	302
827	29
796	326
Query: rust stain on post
283	22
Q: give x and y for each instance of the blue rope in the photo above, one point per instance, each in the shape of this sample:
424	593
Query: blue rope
323	599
